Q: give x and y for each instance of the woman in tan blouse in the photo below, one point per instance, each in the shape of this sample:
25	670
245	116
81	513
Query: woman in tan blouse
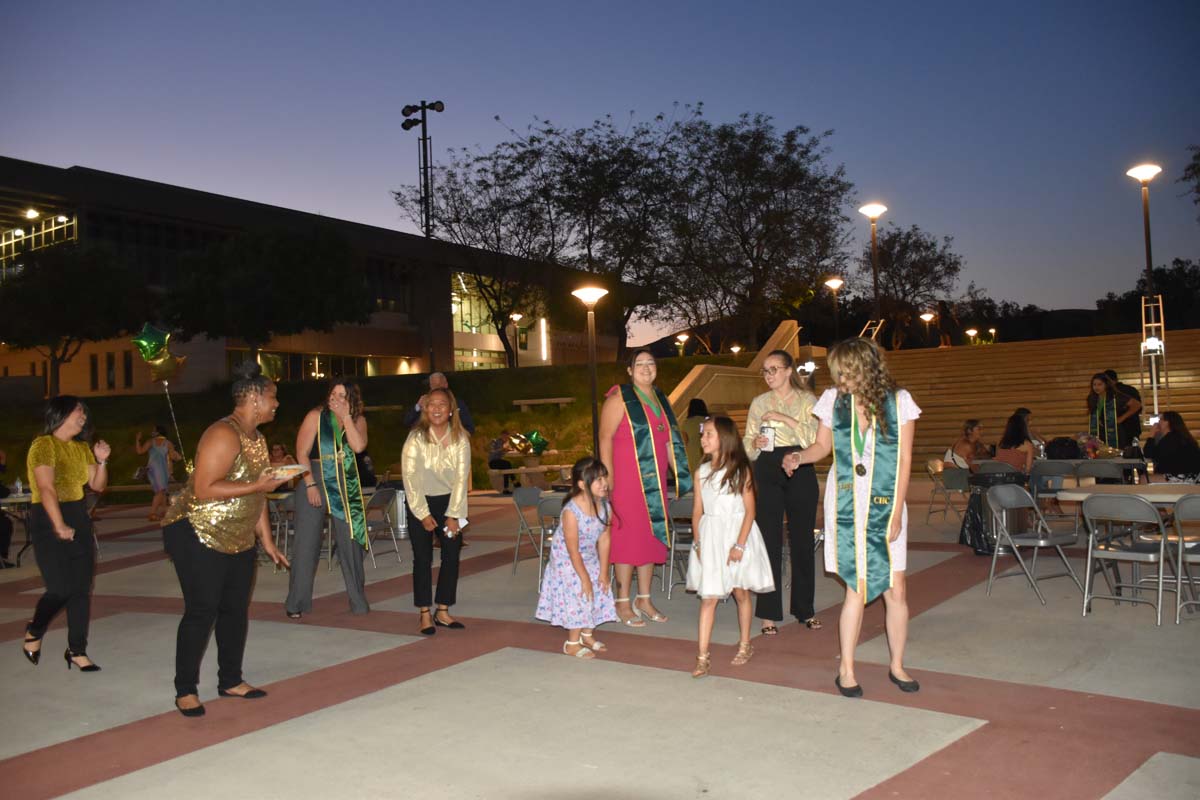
437	474
209	534
60	465
779	422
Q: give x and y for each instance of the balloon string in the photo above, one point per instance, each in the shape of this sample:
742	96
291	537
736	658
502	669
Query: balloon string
175	422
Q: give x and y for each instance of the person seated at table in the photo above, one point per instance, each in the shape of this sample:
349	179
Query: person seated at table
1039	441
1015	447
969	448
1174	450
496	449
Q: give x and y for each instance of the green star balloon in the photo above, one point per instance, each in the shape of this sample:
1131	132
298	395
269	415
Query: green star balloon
151	342
538	442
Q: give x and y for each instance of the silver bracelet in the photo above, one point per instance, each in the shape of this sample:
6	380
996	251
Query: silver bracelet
741	547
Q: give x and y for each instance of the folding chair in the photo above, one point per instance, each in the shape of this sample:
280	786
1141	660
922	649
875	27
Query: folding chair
1045	478
549	510
1186	510
942	478
1103	471
383	501
526	498
1138	548
988	467
1007	498
679	528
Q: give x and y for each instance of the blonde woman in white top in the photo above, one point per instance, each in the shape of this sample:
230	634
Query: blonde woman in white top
437	475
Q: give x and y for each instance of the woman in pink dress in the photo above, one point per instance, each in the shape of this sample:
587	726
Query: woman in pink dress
639	443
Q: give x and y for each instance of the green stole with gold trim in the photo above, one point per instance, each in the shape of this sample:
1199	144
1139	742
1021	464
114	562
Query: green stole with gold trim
647	457
1102	422
865	566
339	477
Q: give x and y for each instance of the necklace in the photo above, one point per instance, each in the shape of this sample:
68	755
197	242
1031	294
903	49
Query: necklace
859	438
654	404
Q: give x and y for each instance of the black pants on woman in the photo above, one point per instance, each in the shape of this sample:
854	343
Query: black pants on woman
67	568
216	591
422	547
777	494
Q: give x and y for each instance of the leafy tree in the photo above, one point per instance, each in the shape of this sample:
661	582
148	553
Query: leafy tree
66	295
759	211
1191	175
254	286
499	205
915	271
1179	285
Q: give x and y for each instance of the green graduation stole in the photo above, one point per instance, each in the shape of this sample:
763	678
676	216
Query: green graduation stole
866	567
340	471
647	457
1102	422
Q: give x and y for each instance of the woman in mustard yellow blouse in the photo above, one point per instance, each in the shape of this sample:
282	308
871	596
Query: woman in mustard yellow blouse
209	534
60	465
780	422
437	475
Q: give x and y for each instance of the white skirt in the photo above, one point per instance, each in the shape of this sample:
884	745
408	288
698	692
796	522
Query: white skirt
711	574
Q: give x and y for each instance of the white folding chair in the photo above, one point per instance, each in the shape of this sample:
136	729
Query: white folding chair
1007	498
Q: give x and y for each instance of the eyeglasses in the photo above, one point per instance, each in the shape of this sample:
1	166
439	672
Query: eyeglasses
771	370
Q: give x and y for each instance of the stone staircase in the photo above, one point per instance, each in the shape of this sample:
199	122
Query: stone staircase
1050	377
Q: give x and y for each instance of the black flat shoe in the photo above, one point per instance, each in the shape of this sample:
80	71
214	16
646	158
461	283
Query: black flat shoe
905	686
454	626
69	657
847	691
253	694
198	711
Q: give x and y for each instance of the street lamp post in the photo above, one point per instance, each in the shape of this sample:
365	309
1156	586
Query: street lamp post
424	157
589	296
927	318
873	212
1143	174
834	284
972	332
516	317
682	339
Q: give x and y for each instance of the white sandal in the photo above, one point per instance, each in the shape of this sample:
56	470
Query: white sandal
655	617
636	620
596	645
582	652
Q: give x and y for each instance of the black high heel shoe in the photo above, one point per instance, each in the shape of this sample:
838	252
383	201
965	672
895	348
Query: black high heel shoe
69	657
34	656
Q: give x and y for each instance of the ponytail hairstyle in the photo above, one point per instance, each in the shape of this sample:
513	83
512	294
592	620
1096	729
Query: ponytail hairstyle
248	379
586	471
730	456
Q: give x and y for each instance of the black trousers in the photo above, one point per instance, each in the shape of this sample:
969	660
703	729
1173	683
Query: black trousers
776	495
6	532
422	547
67	569
216	591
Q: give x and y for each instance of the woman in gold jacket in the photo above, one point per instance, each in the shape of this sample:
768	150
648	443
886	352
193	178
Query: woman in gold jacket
437	475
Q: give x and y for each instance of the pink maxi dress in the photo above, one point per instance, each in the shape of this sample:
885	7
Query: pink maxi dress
633	542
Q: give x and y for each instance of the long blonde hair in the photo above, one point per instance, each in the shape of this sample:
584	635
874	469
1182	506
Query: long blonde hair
862	361
423	425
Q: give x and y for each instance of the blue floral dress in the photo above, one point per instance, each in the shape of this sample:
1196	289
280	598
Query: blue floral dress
560	603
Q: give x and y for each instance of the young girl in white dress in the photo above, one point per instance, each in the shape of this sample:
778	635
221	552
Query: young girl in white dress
728	555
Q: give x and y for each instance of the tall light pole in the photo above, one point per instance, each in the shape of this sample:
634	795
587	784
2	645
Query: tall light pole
873	212
424	157
834	284
516	317
1143	174
589	296
972	332
682	340
927	318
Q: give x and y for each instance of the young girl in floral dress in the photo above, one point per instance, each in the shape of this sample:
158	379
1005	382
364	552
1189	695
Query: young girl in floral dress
728	555
576	594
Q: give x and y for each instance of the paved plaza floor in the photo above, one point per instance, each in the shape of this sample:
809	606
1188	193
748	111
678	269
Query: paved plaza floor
1017	700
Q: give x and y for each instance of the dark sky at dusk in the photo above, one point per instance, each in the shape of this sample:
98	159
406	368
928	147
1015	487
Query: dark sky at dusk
1006	125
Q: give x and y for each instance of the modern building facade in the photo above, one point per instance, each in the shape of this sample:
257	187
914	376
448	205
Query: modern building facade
426	316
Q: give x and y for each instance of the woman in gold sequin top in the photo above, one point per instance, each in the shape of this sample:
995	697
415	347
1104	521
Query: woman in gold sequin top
209	533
